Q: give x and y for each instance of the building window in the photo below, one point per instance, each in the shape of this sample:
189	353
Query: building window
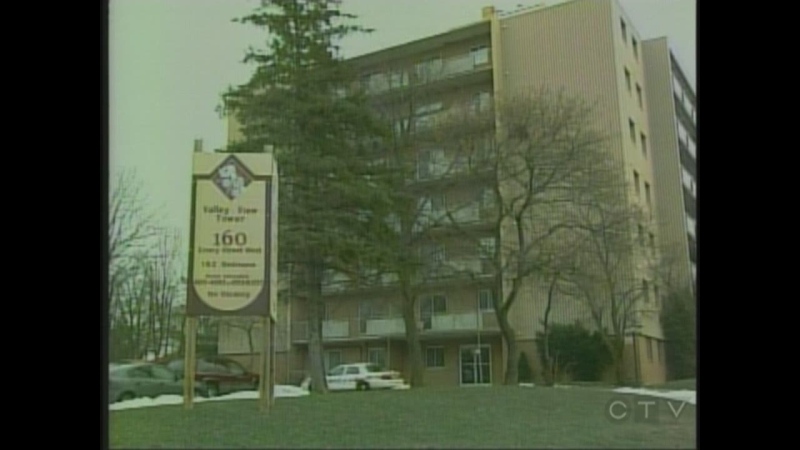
333	358
641	235
434	357
480	55
639	95
646	291
486	248
647	193
650	349
430	306
656	294
439	205
632	129
624	29
643	139
628	79
653	243
636	183
377	356
481	101
635	48
660	351
485	302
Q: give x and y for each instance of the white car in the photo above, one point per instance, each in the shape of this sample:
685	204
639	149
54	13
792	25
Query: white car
362	376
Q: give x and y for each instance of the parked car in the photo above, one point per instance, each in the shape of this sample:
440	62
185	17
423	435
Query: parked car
362	376
132	380
215	375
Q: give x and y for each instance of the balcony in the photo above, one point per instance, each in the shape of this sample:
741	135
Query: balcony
394	326
457	269
427	72
336	283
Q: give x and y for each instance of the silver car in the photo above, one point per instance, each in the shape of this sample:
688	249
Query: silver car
133	380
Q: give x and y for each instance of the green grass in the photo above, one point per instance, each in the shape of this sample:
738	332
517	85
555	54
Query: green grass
498	417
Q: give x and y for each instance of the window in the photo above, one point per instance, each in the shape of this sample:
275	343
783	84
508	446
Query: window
660	351
481	101
324	311
430	69
647	193
641	235
139	372
653	243
429	307
480	55
333	359
438	204
485	302
650	349
636	182
639	95
624	29
434	357
632	129
656	293
398	79
646	290
353	370
628	79
643	139
486	248
635	48
336	371
436	254
376	356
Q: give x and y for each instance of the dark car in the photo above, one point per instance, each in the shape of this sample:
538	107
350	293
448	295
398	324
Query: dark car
140	379
216	375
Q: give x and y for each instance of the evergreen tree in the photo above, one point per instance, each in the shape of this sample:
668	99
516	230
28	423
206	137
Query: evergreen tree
299	104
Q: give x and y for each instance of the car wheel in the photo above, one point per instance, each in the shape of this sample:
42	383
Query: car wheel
212	390
362	386
126	396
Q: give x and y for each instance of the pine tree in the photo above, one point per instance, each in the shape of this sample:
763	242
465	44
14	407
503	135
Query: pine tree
299	104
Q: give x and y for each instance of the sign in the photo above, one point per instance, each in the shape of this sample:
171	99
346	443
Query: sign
233	240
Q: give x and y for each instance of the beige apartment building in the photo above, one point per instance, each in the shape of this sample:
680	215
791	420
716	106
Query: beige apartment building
587	47
672	112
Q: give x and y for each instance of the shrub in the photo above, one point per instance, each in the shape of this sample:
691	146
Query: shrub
579	351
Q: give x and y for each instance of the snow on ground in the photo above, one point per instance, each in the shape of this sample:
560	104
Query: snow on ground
281	391
682	395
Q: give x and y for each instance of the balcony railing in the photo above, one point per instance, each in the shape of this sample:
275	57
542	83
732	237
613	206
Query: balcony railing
394	326
425	73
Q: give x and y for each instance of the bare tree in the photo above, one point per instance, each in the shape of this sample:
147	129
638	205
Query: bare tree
163	275
415	152
544	152
607	283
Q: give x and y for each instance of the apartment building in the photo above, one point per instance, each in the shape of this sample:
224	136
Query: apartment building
672	111
586	47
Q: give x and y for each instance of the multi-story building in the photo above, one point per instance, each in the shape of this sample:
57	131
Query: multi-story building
672	111
588	48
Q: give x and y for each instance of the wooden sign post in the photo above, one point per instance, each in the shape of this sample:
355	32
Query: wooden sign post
233	252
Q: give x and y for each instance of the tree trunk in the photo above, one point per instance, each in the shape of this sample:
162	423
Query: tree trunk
316	360
511	377
316	363
412	337
549	367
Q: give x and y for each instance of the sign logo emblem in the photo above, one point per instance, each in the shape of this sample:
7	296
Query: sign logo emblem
232	178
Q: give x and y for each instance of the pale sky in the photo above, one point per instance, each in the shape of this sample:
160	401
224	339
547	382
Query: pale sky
169	61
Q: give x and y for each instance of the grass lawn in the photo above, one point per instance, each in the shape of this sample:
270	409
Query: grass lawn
496	417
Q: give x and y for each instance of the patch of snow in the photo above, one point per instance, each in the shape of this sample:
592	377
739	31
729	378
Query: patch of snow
402	387
281	391
681	395
527	384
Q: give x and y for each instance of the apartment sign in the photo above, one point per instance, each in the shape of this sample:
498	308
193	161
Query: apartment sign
232	255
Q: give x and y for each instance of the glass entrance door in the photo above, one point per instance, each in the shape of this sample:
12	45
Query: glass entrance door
475	365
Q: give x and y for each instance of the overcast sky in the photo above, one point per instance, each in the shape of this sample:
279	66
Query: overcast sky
169	60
